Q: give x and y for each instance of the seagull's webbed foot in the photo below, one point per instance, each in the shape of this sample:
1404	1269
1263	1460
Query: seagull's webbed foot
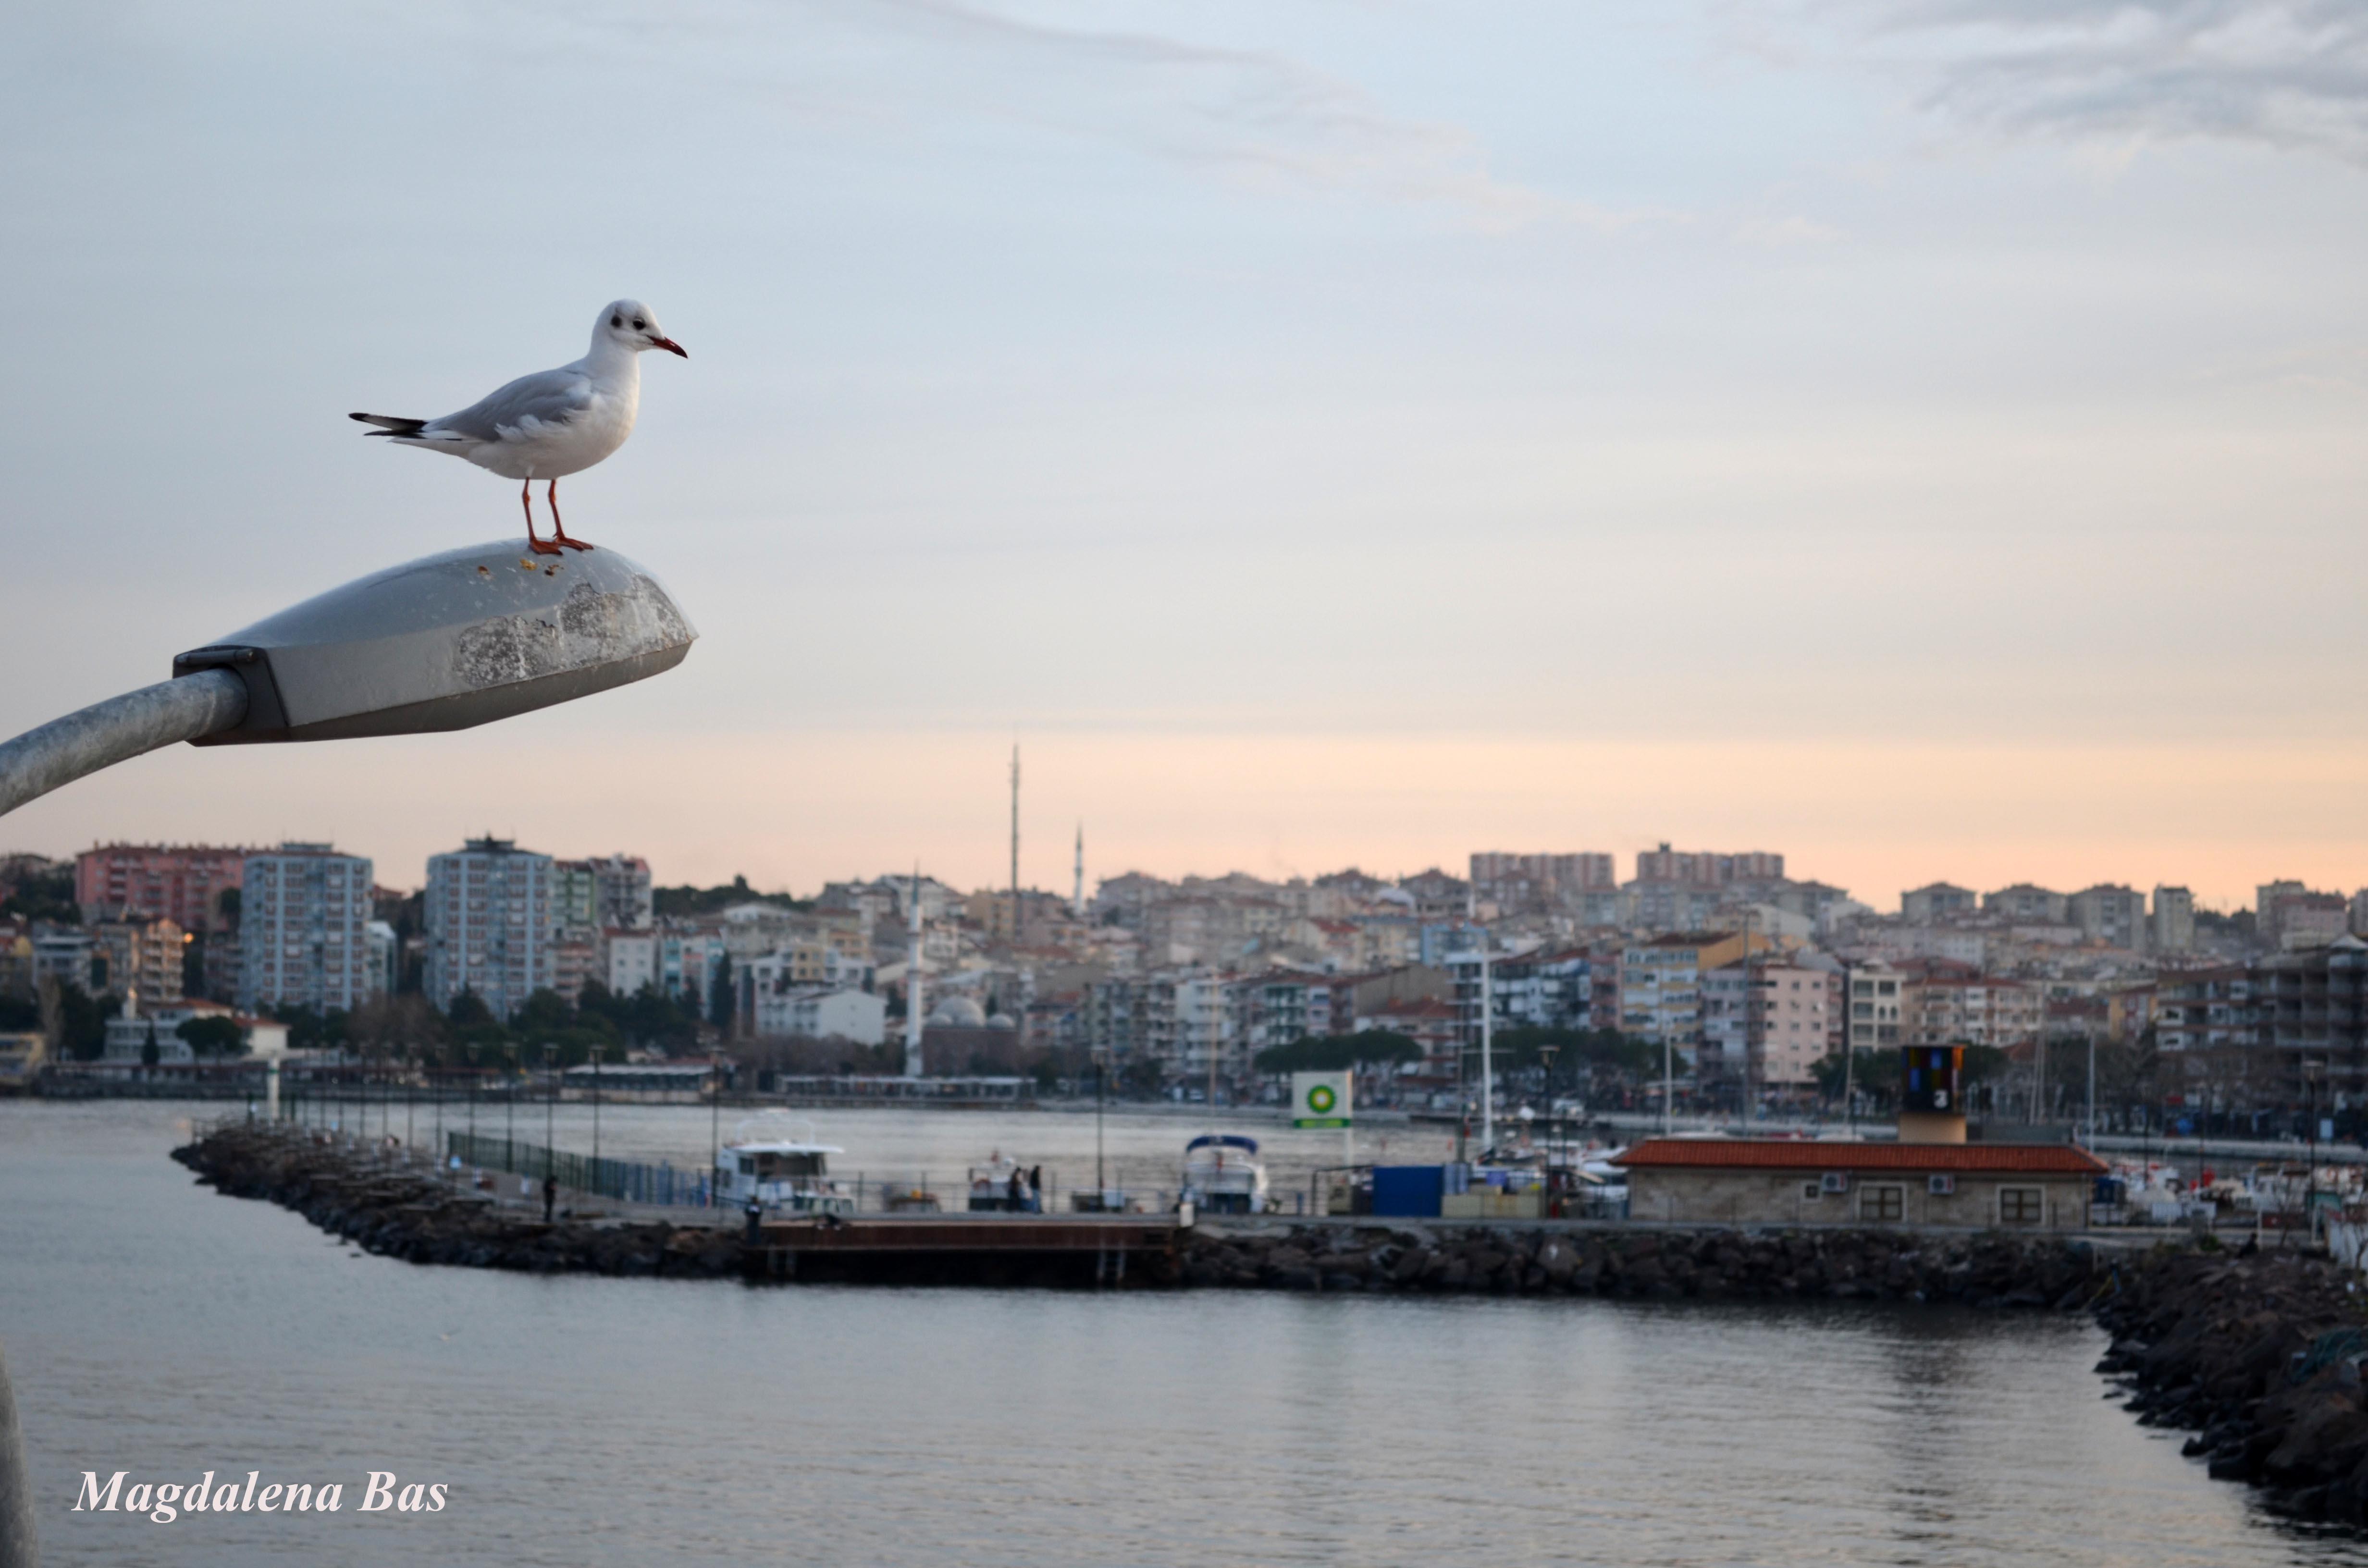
541	547
574	543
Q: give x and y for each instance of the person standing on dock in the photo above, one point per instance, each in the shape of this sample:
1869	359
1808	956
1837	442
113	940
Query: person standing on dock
1035	1190
550	1197
1012	1200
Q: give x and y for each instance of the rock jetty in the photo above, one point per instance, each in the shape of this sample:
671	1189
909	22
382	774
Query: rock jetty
401	1213
2260	1354
1987	1271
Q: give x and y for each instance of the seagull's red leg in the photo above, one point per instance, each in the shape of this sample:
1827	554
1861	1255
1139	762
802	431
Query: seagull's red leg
526	499
558	528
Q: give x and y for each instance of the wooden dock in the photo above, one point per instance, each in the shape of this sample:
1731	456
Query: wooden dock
1116	1251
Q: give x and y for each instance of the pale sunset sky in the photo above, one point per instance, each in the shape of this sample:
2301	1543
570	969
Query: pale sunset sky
1923	438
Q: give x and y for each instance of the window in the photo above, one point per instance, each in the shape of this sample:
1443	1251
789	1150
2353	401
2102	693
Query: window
2022	1205
1811	1192
1883	1205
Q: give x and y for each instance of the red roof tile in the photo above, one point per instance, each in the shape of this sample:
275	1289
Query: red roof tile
1803	1154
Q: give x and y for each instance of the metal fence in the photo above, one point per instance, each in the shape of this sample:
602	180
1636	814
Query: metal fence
622	1180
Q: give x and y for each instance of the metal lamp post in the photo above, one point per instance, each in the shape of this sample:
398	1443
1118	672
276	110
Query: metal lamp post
714	1125
1546	1054
1101	1183
444	642
509	1112
596	1113
550	1110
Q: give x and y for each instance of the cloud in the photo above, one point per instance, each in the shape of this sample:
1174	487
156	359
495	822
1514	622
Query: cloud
1259	118
2290	73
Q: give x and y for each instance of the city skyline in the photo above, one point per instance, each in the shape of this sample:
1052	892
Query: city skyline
1927	440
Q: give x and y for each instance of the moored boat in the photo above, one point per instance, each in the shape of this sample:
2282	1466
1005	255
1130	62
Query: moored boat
1223	1174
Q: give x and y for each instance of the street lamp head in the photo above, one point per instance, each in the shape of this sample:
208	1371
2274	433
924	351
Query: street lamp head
446	643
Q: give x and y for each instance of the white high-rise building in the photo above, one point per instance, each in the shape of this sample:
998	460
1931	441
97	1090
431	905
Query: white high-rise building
488	913
304	918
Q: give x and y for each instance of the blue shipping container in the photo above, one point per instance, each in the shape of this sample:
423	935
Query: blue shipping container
1409	1191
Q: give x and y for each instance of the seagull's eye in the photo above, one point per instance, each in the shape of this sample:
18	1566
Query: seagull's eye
639	324
616	321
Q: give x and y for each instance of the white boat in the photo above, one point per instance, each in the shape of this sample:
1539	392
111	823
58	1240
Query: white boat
768	1160
1223	1174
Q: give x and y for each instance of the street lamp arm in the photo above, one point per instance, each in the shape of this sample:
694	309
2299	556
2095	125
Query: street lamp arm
118	729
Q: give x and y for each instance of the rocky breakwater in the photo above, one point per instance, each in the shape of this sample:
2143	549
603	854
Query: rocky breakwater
2260	1353
1987	1271
399	1211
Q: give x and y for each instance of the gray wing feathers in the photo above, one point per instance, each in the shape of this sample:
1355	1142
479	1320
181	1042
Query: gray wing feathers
547	397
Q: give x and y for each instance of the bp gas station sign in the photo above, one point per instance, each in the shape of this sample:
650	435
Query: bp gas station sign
1320	1099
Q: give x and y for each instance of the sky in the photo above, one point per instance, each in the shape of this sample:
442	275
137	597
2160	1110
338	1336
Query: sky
1922	438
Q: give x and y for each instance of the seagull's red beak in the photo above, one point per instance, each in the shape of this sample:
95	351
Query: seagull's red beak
670	345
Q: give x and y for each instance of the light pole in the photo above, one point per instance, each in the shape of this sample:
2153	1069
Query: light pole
596	1114
443	643
1546	1053
510	1111
1101	1184
550	1110
714	1124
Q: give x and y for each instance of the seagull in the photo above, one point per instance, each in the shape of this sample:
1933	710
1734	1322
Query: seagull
552	423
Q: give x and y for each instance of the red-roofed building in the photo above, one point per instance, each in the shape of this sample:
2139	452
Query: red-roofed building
1754	1181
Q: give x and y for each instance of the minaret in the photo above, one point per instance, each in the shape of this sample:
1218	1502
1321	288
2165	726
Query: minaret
913	979
1077	897
1015	843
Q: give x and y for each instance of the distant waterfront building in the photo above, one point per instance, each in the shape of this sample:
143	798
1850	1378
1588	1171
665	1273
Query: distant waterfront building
1878	1000
489	930
2023	904
304	918
1923	906
606	892
183	884
138	958
2111	913
2171	926
2287	915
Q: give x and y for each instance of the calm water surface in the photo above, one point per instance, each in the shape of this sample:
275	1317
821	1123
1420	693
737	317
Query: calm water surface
155	1328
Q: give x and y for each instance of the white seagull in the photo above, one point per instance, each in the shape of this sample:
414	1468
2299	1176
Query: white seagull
552	423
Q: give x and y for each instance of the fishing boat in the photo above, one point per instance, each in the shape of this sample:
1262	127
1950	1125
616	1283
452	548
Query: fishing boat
1223	1174
779	1163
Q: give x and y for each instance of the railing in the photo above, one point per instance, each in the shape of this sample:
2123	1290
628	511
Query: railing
622	1180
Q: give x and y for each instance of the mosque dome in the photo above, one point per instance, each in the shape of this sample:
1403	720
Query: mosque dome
959	1012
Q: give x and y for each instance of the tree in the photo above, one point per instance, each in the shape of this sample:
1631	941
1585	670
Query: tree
721	1003
1338	1053
81	1022
208	1034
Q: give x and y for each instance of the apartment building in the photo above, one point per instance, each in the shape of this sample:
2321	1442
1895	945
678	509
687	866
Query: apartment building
2111	913
609	891
1946	1009
2170	926
2025	905
1878	1004
183	884
1661	984
1936	901
487	913
2206	1009
138	958
1771	1020
305	914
